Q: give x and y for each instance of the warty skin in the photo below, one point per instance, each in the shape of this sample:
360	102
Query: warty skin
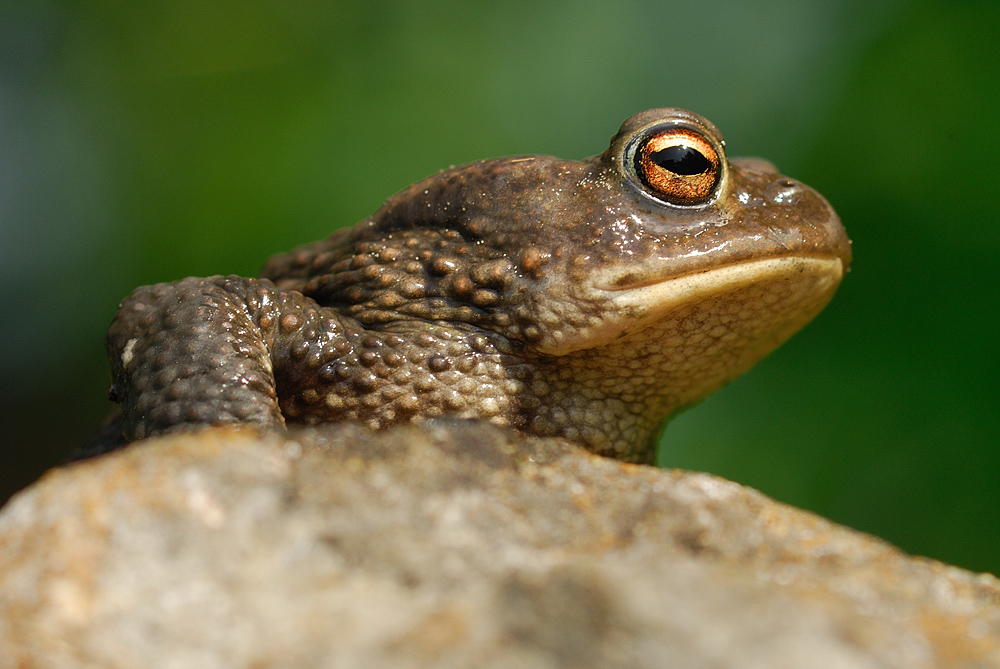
585	299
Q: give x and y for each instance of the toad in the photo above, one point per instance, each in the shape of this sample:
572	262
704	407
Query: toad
587	299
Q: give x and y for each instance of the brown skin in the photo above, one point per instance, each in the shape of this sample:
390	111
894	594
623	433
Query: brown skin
585	299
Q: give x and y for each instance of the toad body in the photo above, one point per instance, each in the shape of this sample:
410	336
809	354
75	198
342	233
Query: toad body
584	299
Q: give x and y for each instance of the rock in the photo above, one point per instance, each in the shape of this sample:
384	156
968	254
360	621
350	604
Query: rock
455	545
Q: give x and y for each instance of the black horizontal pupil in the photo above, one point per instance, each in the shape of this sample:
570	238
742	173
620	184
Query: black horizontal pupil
681	160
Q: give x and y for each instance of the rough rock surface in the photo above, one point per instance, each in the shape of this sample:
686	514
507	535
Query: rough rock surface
456	545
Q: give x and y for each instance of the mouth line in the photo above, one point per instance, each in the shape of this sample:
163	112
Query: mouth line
648	301
631	308
638	285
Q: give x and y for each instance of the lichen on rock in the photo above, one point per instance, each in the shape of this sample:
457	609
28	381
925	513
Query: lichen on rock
453	544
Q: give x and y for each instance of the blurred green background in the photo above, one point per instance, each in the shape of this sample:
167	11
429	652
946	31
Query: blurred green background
144	142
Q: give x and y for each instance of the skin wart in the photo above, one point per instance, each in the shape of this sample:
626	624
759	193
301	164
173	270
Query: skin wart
585	299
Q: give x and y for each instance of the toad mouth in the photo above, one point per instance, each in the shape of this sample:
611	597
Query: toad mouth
680	288
630	308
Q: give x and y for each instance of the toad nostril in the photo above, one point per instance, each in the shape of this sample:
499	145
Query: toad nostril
783	190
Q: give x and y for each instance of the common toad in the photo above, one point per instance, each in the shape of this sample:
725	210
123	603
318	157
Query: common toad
585	299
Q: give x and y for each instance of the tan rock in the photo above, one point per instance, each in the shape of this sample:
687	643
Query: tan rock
457	545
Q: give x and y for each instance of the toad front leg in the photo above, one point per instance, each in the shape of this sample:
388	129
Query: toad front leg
211	351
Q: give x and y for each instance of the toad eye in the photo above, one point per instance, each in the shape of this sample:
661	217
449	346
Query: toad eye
678	165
